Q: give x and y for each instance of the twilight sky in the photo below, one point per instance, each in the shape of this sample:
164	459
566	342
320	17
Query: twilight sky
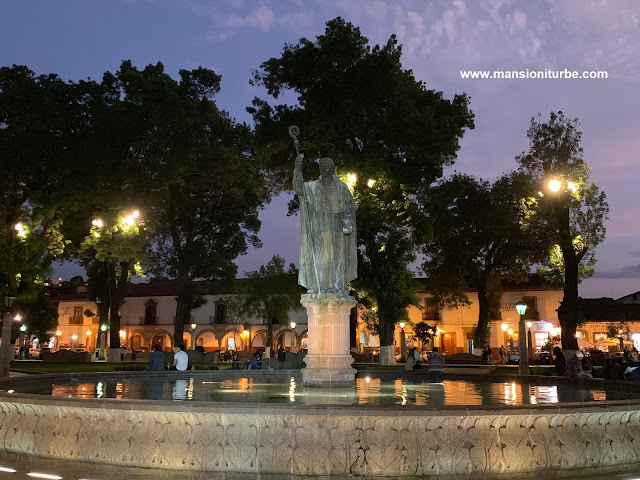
78	39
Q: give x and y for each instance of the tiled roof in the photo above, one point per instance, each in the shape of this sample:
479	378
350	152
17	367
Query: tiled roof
608	310
535	282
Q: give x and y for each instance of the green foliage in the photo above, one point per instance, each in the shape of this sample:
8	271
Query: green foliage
371	321
40	316
357	105
271	292
480	237
619	330
424	332
197	182
44	125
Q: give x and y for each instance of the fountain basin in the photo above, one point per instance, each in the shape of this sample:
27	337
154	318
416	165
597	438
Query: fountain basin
343	440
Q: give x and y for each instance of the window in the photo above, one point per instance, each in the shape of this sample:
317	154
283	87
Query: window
150	309
431	311
221	312
532	308
77	317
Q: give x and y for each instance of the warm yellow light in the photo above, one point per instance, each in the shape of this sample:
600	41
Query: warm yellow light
401	324
193	326
293	324
571	186
504	327
371	183
123	333
97	223
245	333
19	227
128	220
135	214
352	177
74	337
529	324
58	333
510	331
88	332
17	318
554	185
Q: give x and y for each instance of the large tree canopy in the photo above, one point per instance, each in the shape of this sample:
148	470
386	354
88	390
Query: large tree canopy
569	210
199	187
480	237
357	105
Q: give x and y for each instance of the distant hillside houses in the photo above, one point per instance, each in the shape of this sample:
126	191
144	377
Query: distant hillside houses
149	309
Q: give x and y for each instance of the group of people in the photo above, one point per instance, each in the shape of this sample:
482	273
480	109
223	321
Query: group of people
435	361
625	367
180	360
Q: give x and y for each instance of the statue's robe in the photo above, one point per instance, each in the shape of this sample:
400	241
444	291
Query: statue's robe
328	256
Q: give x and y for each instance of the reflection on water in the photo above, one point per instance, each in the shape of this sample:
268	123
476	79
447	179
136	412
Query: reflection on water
369	390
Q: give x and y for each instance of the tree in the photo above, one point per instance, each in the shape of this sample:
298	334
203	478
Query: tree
357	105
570	211
480	238
117	244
199	185
40	317
424	332
44	126
271	292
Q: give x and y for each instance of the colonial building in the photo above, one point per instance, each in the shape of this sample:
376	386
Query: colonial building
148	316
455	326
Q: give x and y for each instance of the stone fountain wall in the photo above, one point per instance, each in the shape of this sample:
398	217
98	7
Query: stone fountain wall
346	441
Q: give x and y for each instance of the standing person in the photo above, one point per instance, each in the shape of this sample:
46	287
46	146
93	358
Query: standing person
559	362
484	354
435	361
156	360
328	240
180	359
503	355
489	355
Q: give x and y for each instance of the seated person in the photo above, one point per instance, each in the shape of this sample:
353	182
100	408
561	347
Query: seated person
180	359
559	361
156	360
574	365
435	361
632	371
410	363
255	363
587	368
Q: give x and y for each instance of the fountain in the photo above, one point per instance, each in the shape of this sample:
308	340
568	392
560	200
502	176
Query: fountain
336	434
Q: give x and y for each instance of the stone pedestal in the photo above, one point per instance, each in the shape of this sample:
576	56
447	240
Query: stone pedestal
328	359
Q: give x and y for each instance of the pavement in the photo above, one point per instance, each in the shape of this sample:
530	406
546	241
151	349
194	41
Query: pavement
19	466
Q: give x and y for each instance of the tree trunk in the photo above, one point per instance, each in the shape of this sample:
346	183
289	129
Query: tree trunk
387	349
118	289
480	337
183	309
568	310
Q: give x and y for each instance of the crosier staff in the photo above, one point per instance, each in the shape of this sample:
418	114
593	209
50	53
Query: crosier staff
294	131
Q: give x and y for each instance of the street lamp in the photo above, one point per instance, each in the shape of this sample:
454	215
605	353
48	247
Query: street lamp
521	308
403	341
529	342
293	336
6	350
193	335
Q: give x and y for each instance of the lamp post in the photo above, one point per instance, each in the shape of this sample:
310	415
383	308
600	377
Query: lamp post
88	334
6	351
403	341
193	336
521	308
529	342
293	337
103	340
